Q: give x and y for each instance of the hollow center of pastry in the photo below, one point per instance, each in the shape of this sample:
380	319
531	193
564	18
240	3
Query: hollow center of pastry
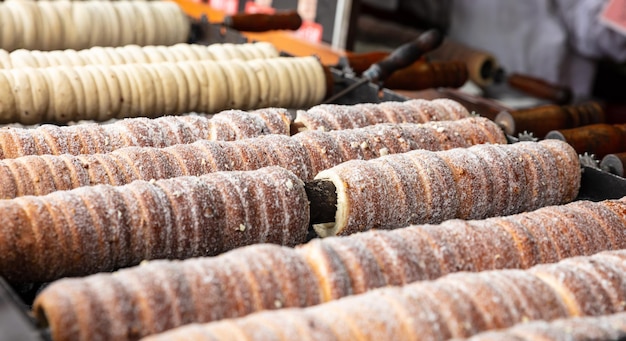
41	317
341	216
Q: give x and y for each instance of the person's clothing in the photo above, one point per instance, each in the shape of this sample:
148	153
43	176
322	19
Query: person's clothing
556	40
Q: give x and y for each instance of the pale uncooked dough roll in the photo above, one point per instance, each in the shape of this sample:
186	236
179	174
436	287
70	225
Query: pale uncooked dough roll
472	183
59	25
334	117
115	55
455	306
143	89
5	58
267	82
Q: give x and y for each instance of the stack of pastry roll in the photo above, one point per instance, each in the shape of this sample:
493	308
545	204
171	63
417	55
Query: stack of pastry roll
458	305
162	132
92	138
305	154
58	25
254	278
131	54
469	183
94	215
588	328
102	92
327	117
102	228
357	263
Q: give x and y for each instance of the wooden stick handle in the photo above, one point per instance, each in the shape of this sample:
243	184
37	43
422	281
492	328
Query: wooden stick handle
422	75
540	88
261	22
543	119
598	139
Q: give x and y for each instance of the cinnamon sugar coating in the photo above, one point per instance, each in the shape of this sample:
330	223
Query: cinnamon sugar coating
357	263
350	265
470	183
161	295
607	327
305	154
455	306
140	132
102	228
327	117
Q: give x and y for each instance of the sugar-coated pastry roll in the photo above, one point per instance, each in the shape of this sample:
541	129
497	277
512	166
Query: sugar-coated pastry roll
101	228
467	183
358	263
305	154
327	117
140	132
455	306
161	295
327	149
588	328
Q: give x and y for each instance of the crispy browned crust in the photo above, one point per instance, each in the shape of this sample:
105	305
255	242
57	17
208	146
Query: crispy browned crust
162	295
327	117
467	183
456	306
102	228
350	265
305	154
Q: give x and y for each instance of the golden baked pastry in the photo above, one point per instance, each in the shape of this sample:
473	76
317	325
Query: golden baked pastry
304	154
589	328
333	268
467	183
327	117
141	132
102	228
455	306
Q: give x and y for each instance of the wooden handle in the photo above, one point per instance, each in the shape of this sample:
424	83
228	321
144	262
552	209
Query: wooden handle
359	62
481	66
541	89
485	107
260	22
598	139
330	81
404	56
422	75
543	119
